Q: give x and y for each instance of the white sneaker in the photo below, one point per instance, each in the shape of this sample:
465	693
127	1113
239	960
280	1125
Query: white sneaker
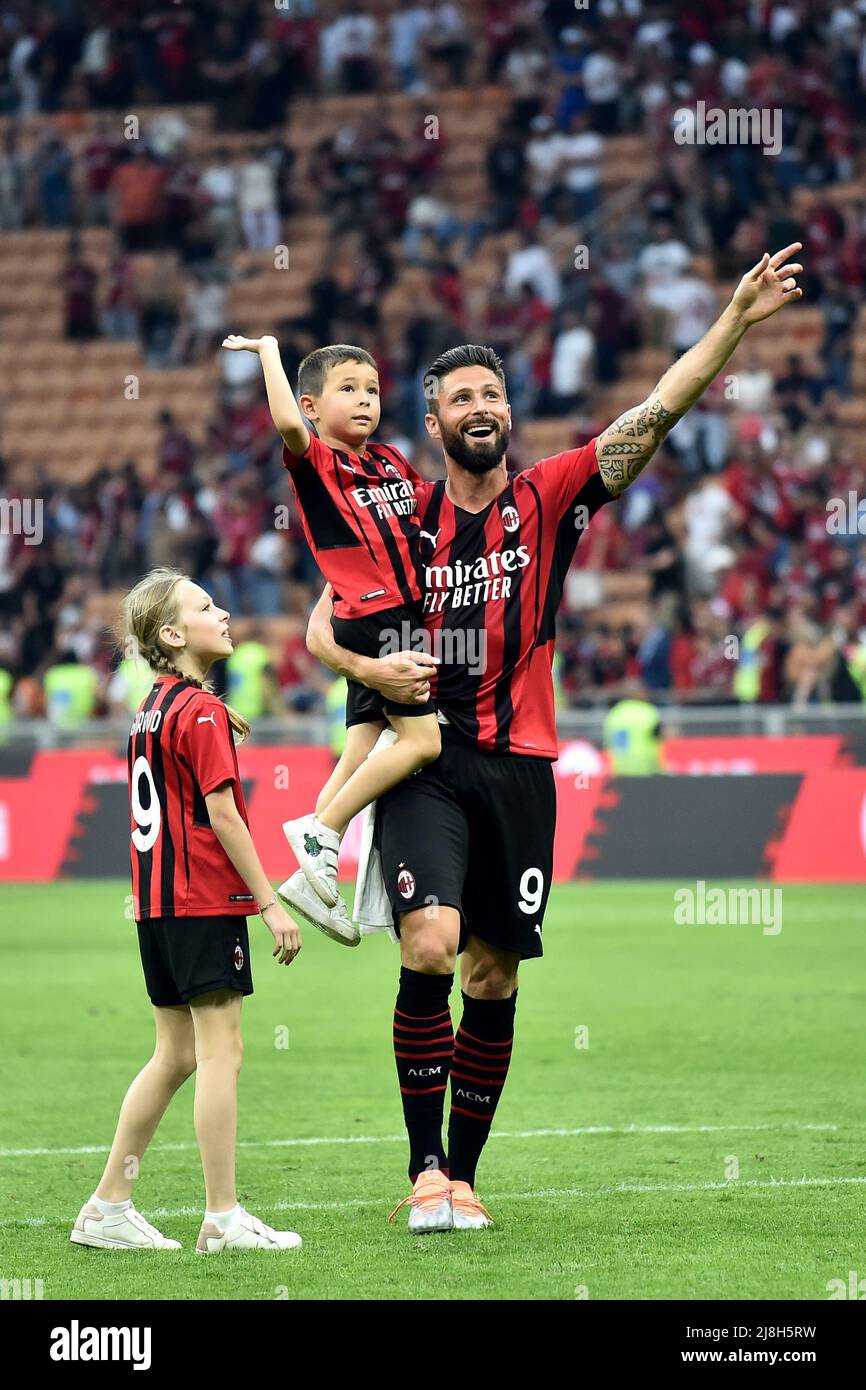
248	1233
316	849
128	1230
335	922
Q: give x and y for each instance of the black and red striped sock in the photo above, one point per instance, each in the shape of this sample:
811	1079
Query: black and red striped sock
482	1052
423	1044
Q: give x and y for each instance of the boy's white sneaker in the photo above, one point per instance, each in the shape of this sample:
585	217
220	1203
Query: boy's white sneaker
335	922
317	850
126	1230
246	1233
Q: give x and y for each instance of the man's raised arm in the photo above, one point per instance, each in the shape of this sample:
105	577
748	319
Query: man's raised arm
626	447
404	677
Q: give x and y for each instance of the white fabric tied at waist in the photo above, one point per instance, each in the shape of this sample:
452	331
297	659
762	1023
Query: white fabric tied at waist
372	910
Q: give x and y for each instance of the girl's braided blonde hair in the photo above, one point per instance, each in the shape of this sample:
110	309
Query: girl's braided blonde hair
146	609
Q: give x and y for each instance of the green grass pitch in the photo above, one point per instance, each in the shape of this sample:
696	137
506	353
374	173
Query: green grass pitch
711	1050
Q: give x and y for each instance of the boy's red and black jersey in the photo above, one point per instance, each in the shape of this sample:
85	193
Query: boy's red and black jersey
360	519
181	747
493	583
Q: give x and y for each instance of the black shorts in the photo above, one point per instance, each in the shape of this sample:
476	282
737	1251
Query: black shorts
186	956
473	830
380	634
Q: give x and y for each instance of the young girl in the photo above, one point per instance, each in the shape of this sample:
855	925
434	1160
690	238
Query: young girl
195	874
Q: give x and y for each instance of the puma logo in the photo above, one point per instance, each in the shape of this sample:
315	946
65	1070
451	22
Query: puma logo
207	718
431	538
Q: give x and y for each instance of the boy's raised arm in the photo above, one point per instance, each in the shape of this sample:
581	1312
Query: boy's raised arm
285	411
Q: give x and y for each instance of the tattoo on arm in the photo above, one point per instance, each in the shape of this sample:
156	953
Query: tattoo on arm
626	446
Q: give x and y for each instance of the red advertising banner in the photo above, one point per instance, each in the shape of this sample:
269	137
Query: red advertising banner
37	814
69	816
702	757
40	813
825	838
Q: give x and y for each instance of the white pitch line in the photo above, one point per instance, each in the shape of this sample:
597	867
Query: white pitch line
401	1138
537	1194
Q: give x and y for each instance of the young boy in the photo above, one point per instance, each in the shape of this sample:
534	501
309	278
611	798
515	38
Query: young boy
358	508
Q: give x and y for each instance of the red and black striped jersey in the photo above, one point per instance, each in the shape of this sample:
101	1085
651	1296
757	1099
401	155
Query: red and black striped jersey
181	746
493	583
360	519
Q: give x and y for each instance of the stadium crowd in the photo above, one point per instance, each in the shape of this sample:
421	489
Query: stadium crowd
729	523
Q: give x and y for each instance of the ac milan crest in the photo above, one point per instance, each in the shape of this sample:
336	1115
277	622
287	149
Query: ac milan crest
405	884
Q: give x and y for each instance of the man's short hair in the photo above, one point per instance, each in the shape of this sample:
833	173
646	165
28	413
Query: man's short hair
316	365
469	355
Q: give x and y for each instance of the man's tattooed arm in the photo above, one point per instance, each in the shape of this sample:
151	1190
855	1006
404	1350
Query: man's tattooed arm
625	448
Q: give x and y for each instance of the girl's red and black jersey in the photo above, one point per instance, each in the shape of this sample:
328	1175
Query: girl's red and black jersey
493	584
360	519
181	746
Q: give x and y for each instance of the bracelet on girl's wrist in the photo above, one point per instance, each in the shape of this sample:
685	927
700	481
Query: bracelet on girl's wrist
264	909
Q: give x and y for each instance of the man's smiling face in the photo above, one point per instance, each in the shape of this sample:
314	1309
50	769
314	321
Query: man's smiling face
471	418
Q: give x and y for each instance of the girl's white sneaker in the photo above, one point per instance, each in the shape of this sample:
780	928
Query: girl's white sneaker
127	1230
247	1233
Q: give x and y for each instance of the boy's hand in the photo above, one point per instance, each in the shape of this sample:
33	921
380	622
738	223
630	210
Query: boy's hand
235	343
282	404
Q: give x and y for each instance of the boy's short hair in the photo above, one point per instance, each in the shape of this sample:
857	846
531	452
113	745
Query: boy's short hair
467	355
316	365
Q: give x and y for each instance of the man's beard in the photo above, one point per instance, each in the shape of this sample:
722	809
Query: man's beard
480	457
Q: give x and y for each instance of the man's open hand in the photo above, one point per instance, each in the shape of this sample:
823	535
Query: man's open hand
768	286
